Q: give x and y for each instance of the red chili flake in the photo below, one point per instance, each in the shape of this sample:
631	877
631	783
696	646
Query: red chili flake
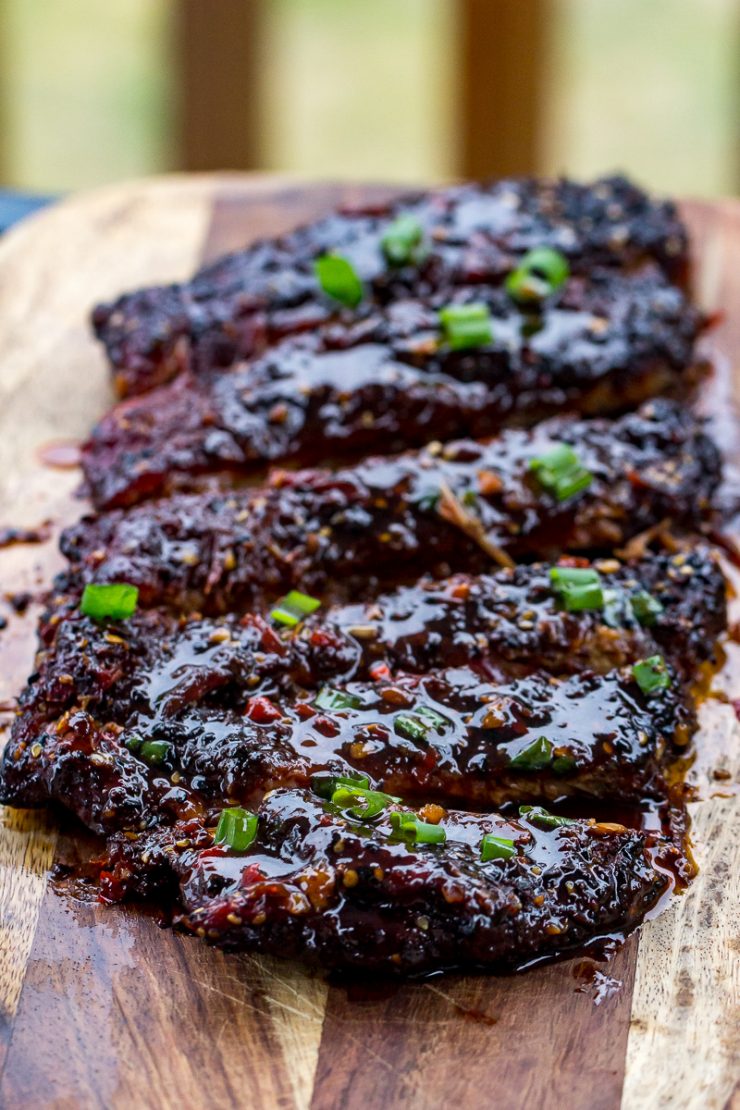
326	726
251	874
321	639
379	671
304	710
261	710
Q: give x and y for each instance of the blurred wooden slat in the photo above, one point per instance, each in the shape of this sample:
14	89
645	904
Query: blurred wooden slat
218	44
502	67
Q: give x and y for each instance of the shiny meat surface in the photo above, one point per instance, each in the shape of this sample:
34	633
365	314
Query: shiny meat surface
389	382
473	234
318	883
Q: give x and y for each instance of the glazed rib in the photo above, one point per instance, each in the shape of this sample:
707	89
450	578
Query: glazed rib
474	234
318	884
389	382
460	505
451	734
509	623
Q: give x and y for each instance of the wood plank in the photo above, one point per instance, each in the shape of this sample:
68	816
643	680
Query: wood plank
686	1007
502	70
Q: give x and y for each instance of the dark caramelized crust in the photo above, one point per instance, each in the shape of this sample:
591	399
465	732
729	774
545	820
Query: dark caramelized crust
463	505
475	234
389	382
511	623
451	734
317	883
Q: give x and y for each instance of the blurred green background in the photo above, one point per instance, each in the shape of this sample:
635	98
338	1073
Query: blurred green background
367	89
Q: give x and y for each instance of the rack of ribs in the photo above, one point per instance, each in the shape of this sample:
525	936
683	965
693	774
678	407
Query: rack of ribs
504	599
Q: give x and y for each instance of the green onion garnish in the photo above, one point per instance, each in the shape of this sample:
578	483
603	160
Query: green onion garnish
496	847
539	816
577	587
133	742
652	674
415	726
325	784
329	698
236	828
292	608
339	279
646	608
466	325
535	756
411	828
116	600
560	472
401	241
541	272
154	751
361	803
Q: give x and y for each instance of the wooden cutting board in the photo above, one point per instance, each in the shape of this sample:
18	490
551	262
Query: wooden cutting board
102	1008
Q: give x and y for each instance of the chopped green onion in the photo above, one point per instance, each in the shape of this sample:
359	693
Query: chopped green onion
133	742
328	698
292	608
154	751
410	827
428	502
466	325
541	272
339	279
535	756
646	608
652	674
496	847
236	828
577	587
563	764
539	816
560	472
402	240
361	803
325	784
116	600
415	726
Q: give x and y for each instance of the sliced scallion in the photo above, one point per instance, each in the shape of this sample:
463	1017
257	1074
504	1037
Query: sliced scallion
329	698
324	784
361	803
416	726
646	608
560	472
236	828
577	587
411	828
652	674
466	325
339	279
154	752
402	242
496	847
293	608
536	756
116	600
539	816
540	273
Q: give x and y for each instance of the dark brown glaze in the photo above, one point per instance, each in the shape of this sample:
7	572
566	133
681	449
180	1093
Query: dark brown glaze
389	382
318	884
510	622
475	234
602	737
461	505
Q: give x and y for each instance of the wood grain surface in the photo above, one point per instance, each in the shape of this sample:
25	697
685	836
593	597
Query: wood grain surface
100	1007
